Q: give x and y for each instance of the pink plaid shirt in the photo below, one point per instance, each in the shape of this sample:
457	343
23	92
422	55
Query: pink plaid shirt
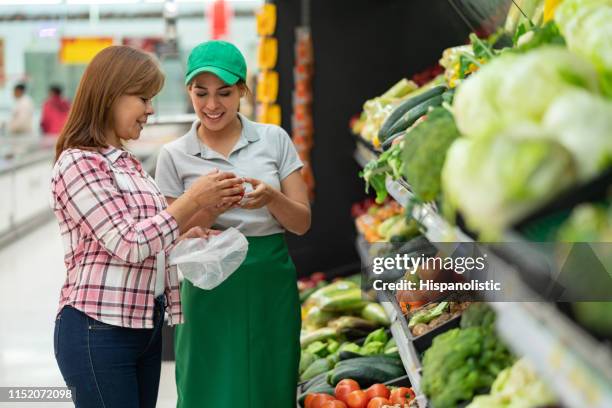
113	222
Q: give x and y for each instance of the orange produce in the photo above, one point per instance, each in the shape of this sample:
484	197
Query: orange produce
319	400
378	402
308	400
377	390
357	399
334	404
402	395
344	388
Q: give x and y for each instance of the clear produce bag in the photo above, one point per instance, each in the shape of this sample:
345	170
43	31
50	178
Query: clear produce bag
208	262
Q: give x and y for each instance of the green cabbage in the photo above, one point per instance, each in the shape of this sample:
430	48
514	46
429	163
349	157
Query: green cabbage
587	28
495	182
513	89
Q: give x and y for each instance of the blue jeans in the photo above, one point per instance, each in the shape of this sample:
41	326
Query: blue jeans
109	366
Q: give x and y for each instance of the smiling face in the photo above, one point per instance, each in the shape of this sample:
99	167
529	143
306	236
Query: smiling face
129	114
215	102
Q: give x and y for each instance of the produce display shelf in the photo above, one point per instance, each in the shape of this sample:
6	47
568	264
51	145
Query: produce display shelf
400	332
399	327
576	366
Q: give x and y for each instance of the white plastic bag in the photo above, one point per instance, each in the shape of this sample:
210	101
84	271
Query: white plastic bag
208	262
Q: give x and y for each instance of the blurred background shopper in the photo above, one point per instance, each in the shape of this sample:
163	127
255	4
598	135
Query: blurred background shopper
54	112
229	331
22	115
117	227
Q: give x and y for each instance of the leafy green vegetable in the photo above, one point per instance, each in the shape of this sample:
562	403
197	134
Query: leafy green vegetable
587	223
496	182
538	36
460	363
516	386
352	347
587	27
427	315
375	172
425	150
582	123
478	314
517	88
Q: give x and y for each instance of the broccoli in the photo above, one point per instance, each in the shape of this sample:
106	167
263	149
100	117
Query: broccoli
461	363
425	149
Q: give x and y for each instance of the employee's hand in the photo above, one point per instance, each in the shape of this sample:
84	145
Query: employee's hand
261	195
216	189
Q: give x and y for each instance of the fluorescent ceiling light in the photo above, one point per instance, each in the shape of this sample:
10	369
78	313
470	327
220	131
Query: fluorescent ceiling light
102	1
29	2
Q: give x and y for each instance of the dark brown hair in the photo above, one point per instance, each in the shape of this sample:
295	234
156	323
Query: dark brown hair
114	71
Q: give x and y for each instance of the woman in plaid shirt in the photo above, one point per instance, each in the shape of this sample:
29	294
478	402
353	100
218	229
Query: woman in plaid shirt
117	228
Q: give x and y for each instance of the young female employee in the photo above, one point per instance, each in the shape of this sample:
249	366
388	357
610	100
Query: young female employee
239	345
116	228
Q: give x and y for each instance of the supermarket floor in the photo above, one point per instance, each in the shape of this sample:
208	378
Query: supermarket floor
31	275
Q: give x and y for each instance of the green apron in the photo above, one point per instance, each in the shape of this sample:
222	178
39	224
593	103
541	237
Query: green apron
239	345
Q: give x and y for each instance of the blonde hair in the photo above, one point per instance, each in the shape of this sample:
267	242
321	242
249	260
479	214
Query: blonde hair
114	71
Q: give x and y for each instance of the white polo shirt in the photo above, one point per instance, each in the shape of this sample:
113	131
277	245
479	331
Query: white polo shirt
264	152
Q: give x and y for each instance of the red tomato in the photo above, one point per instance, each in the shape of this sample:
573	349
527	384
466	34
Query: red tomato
357	399
378	402
402	395
378	390
319	400
308	400
344	388
334	404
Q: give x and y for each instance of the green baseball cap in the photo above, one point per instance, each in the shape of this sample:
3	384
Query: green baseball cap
217	57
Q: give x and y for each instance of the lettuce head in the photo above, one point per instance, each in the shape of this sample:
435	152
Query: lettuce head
514	89
495	182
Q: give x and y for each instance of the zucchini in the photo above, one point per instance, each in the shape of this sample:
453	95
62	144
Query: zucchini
413	114
320	366
387	144
347	355
405	106
368	360
366	375
319	379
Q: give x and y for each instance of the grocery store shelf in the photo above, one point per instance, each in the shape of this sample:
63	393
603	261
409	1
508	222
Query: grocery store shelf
364	153
399	327
574	365
400	332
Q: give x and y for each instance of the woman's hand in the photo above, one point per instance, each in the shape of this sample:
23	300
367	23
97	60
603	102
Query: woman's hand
216	189
261	195
198	232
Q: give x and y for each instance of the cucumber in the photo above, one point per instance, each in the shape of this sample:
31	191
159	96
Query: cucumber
323	388
347	355
366	375
389	142
365	361
319	379
320	366
405	106
413	114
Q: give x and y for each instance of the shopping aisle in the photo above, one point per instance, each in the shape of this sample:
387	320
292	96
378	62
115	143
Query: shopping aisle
31	274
